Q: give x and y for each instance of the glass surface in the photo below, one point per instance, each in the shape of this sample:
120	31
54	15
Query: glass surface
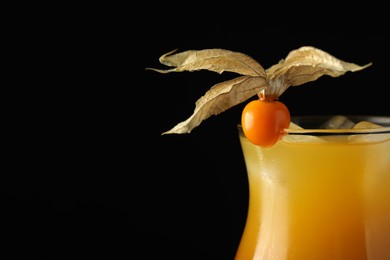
319	194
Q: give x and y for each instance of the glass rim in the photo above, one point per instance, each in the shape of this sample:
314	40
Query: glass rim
311	125
303	120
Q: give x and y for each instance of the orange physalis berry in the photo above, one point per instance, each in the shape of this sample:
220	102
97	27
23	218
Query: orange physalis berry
263	121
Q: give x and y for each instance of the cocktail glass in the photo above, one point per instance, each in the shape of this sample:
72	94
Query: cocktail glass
319	194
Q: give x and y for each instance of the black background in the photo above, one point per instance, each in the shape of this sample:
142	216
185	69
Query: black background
87	173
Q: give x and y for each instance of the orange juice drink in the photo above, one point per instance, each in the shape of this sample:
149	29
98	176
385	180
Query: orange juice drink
315	193
318	197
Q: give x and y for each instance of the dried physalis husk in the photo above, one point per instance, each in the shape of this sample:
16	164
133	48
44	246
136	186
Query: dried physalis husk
300	66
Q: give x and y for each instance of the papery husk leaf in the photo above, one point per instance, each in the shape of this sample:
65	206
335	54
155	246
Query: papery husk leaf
216	60
308	64
300	66
219	98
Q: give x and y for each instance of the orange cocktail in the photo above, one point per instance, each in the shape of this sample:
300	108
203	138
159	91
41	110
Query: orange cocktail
318	197
313	195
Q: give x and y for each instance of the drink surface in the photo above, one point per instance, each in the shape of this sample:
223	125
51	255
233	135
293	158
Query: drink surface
326	199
